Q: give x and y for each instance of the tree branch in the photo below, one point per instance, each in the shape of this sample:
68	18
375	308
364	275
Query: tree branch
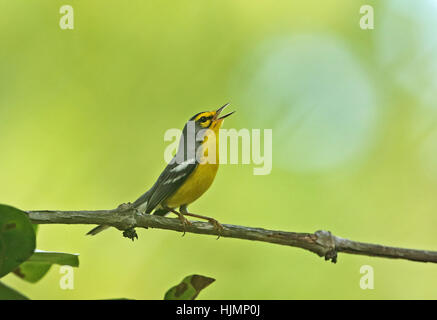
323	243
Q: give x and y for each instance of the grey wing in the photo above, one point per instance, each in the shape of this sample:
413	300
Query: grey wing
173	176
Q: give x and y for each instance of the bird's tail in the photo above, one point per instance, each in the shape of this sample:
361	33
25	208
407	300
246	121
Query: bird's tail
141	201
97	230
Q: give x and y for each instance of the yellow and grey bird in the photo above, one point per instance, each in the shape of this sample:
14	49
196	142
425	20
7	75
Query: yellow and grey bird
189	174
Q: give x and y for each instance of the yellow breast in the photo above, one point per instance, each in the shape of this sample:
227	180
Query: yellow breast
201	178
195	185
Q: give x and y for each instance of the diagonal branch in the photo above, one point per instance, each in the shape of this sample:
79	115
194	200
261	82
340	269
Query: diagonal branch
323	243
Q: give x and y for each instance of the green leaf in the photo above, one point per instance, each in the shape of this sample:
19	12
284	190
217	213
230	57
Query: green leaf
61	258
7	293
17	238
32	271
40	263
189	288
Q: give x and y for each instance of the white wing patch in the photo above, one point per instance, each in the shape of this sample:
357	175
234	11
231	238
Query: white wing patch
175	179
183	165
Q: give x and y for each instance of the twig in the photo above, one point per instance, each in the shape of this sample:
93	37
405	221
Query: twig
323	243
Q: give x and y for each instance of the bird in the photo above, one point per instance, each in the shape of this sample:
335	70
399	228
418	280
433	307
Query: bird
188	175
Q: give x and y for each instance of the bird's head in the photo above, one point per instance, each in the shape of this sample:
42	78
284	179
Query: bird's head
210	119
198	130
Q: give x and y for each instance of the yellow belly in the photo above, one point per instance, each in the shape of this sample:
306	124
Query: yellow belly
196	184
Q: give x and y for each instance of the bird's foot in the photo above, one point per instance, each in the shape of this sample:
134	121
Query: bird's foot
217	226
185	222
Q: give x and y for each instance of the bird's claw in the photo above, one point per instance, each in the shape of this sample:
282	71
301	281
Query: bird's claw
185	222
218	226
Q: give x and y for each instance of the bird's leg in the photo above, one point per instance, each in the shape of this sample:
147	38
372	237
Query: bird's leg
184	220
217	225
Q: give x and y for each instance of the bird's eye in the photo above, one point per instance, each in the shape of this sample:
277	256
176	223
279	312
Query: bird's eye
203	119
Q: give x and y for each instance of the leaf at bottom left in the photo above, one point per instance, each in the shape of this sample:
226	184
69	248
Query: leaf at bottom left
7	293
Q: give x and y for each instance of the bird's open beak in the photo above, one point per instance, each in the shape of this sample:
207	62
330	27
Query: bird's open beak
219	110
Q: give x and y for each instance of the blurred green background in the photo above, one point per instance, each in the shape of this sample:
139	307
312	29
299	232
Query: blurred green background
83	114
